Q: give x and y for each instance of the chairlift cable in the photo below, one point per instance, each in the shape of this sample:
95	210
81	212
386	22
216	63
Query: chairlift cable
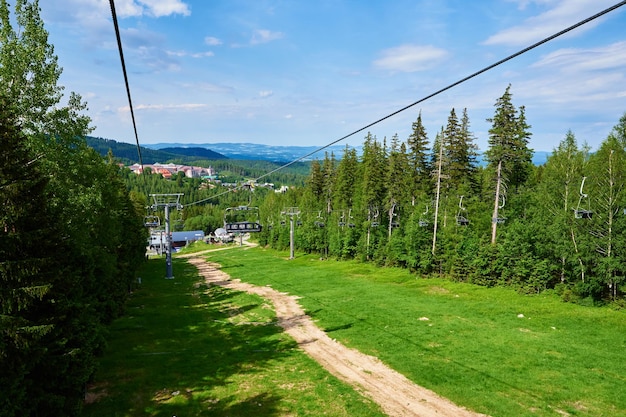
130	101
462	80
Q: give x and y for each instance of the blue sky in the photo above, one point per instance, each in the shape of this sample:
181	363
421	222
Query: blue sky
309	72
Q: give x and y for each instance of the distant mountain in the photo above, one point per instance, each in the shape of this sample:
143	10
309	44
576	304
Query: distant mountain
127	152
258	152
195	152
254	151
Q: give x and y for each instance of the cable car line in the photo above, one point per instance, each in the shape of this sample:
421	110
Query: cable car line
130	101
448	87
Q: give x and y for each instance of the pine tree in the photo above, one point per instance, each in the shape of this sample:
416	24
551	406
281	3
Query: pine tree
30	246
420	166
315	182
346	180
328	173
373	169
460	154
508	154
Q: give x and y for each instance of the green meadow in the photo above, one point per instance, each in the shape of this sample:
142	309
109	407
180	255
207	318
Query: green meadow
492	350
187	350
183	349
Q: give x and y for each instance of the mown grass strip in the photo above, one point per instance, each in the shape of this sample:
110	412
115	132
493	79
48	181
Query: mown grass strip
184	349
490	349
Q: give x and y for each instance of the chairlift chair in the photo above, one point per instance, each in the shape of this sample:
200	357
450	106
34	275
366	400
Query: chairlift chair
392	214
342	219
580	213
460	219
319	221
234	224
152	221
423	222
374	222
500	220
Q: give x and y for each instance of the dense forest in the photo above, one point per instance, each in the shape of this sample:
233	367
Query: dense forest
429	206
72	233
71	237
559	226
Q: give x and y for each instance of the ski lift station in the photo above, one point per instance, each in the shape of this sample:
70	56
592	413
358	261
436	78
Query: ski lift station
158	240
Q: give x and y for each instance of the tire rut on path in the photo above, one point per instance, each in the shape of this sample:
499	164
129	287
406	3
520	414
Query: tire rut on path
395	394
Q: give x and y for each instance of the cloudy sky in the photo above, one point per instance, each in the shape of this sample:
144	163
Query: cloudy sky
289	72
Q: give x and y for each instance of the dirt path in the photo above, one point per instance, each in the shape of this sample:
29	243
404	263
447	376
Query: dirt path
392	391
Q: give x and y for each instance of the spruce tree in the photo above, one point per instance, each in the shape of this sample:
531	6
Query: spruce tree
508	155
417	154
30	250
460	153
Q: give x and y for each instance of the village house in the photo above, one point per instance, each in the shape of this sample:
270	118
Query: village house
169	170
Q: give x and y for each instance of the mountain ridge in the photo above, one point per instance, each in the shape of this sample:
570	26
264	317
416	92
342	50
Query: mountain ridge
286	153
189	152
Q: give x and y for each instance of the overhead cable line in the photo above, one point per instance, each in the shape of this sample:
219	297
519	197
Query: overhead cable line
462	80
130	101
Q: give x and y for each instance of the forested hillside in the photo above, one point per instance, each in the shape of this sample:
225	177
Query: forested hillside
560	226
127	153
71	237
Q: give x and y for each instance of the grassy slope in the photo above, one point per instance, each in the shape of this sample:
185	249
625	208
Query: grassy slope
467	343
186	350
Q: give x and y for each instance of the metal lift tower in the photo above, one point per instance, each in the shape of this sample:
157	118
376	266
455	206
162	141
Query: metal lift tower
167	201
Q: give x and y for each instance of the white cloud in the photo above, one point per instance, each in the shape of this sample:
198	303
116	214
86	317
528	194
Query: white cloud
184	106
581	76
159	8
212	41
211	88
264	36
182	54
591	59
564	14
410	58
266	93
87	11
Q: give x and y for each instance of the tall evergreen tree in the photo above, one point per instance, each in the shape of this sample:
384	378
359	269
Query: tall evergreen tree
460	153
398	176
29	252
328	172
345	180
315	182
508	155
417	153
373	169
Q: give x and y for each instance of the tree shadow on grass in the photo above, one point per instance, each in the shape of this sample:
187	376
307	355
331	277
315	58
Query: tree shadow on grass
176	345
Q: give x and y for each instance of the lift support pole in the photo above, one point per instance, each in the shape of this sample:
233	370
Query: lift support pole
291	212
167	201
